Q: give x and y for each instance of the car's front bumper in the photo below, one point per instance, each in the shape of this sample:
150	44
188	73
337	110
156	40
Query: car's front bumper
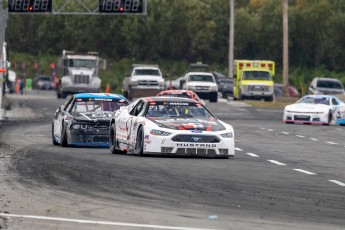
163	145
305	118
89	138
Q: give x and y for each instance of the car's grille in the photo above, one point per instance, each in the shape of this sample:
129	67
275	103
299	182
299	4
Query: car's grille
81	79
202	88
195	151
147	83
196	138
258	88
301	118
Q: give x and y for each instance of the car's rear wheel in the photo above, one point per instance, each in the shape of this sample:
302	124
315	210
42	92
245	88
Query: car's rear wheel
63	137
139	144
113	140
53	136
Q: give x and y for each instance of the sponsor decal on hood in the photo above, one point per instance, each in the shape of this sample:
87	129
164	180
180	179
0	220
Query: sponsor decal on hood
93	116
211	124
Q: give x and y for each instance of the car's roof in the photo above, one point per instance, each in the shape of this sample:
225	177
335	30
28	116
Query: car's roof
100	95
328	79
321	96
176	91
168	99
199	73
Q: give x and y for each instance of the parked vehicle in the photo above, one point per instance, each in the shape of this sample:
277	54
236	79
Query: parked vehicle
254	79
279	92
44	82
329	86
226	87
143	80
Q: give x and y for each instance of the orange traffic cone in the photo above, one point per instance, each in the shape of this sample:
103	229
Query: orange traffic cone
107	89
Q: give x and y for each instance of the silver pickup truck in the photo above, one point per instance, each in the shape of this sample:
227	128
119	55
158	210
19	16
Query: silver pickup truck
143	80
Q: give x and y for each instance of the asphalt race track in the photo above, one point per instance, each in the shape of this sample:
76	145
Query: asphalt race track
282	177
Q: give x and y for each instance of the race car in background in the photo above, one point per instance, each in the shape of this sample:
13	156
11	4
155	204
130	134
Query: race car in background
170	126
314	109
181	93
84	119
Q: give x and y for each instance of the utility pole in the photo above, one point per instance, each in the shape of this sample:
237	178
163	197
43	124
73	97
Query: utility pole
285	47
231	40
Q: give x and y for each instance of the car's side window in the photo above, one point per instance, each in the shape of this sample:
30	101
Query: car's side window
137	108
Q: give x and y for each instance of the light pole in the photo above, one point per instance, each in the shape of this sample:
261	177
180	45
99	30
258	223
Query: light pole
231	40
285	47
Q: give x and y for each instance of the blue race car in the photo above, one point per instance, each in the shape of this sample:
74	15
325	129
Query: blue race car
84	119
340	121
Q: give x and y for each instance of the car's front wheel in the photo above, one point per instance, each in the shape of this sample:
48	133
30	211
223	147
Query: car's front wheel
53	136
63	137
139	143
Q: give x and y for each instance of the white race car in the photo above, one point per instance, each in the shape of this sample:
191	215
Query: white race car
170	126
314	109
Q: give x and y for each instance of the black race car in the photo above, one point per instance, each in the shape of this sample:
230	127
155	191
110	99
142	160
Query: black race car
85	119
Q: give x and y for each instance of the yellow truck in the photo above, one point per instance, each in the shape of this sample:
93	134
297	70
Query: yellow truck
253	79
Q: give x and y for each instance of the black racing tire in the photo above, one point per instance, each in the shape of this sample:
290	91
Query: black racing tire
113	141
330	117
63	137
53	138
139	143
224	95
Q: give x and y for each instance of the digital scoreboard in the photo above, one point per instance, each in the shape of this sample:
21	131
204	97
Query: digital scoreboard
122	6
29	6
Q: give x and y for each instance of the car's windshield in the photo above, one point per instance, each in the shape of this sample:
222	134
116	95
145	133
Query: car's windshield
316	100
329	84
95	105
151	72
256	75
177	109
226	81
206	78
82	63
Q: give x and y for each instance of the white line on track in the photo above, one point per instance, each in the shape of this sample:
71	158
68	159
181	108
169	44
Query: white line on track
300	136
304	171
262	128
238	149
276	162
313	139
270	130
331	143
252	155
286	133
337	182
99	222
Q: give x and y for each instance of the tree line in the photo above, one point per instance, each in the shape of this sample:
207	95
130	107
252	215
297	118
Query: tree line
197	30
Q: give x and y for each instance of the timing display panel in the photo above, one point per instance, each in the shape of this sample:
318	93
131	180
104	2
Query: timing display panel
122	6
29	6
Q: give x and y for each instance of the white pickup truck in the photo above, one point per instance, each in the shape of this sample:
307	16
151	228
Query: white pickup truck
203	83
143	80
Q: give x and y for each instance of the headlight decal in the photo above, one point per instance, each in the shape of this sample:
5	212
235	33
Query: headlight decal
227	135
157	132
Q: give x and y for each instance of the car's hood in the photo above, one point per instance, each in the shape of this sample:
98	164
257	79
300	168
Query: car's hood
307	107
147	77
188	123
200	83
93	116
